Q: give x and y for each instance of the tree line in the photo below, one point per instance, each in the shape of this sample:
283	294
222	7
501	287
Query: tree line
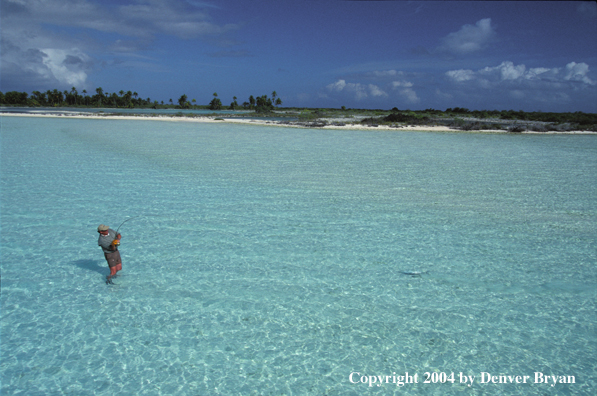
261	104
126	99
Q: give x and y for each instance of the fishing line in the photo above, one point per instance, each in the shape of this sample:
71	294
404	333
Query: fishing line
130	218
204	229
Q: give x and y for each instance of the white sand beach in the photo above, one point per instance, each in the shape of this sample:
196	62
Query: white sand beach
331	123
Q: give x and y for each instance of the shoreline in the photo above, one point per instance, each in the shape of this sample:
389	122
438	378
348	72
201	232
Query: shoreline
286	124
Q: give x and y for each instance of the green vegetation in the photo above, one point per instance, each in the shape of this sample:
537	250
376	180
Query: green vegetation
215	104
128	99
457	117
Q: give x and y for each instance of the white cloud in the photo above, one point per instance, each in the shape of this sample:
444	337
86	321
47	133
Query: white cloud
396	84
39	48
461	75
508	72
337	86
410	95
404	89
384	73
578	72
376	91
142	18
470	38
66	66
517	83
358	90
537	72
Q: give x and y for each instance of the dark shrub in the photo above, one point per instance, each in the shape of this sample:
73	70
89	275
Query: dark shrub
539	128
406	118
517	128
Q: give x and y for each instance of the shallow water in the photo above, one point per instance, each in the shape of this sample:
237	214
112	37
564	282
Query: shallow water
269	261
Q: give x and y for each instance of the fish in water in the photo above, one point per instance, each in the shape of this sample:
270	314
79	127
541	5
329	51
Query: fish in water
414	273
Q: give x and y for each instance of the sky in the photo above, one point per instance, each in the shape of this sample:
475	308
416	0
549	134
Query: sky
480	55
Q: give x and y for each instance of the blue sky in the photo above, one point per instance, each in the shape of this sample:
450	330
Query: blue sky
359	54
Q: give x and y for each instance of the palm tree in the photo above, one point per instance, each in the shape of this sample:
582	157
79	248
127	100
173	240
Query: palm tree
57	96
75	93
215	104
100	93
182	101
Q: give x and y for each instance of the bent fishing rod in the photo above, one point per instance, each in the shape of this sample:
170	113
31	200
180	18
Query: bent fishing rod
116	241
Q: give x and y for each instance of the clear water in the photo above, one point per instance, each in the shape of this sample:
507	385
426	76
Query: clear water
268	261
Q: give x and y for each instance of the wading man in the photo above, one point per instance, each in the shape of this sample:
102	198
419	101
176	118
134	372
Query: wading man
109	241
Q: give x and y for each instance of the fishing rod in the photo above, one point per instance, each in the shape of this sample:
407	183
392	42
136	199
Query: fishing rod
130	218
116	242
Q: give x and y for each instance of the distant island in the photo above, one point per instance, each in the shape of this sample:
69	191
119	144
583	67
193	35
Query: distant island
128	99
266	107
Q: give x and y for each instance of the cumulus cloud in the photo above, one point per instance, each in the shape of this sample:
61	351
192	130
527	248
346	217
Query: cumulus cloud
66	66
578	72
461	75
142	18
537	72
405	91
35	52
409	95
470	38
403	83
509	72
374	90
338	86
400	90
506	71
35	64
543	86
357	90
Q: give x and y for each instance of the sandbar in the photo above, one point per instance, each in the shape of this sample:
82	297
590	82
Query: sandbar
329	124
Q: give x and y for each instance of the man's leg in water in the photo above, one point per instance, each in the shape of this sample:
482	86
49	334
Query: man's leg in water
114	270
112	258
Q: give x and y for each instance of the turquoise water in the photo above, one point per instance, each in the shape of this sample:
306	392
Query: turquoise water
269	261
